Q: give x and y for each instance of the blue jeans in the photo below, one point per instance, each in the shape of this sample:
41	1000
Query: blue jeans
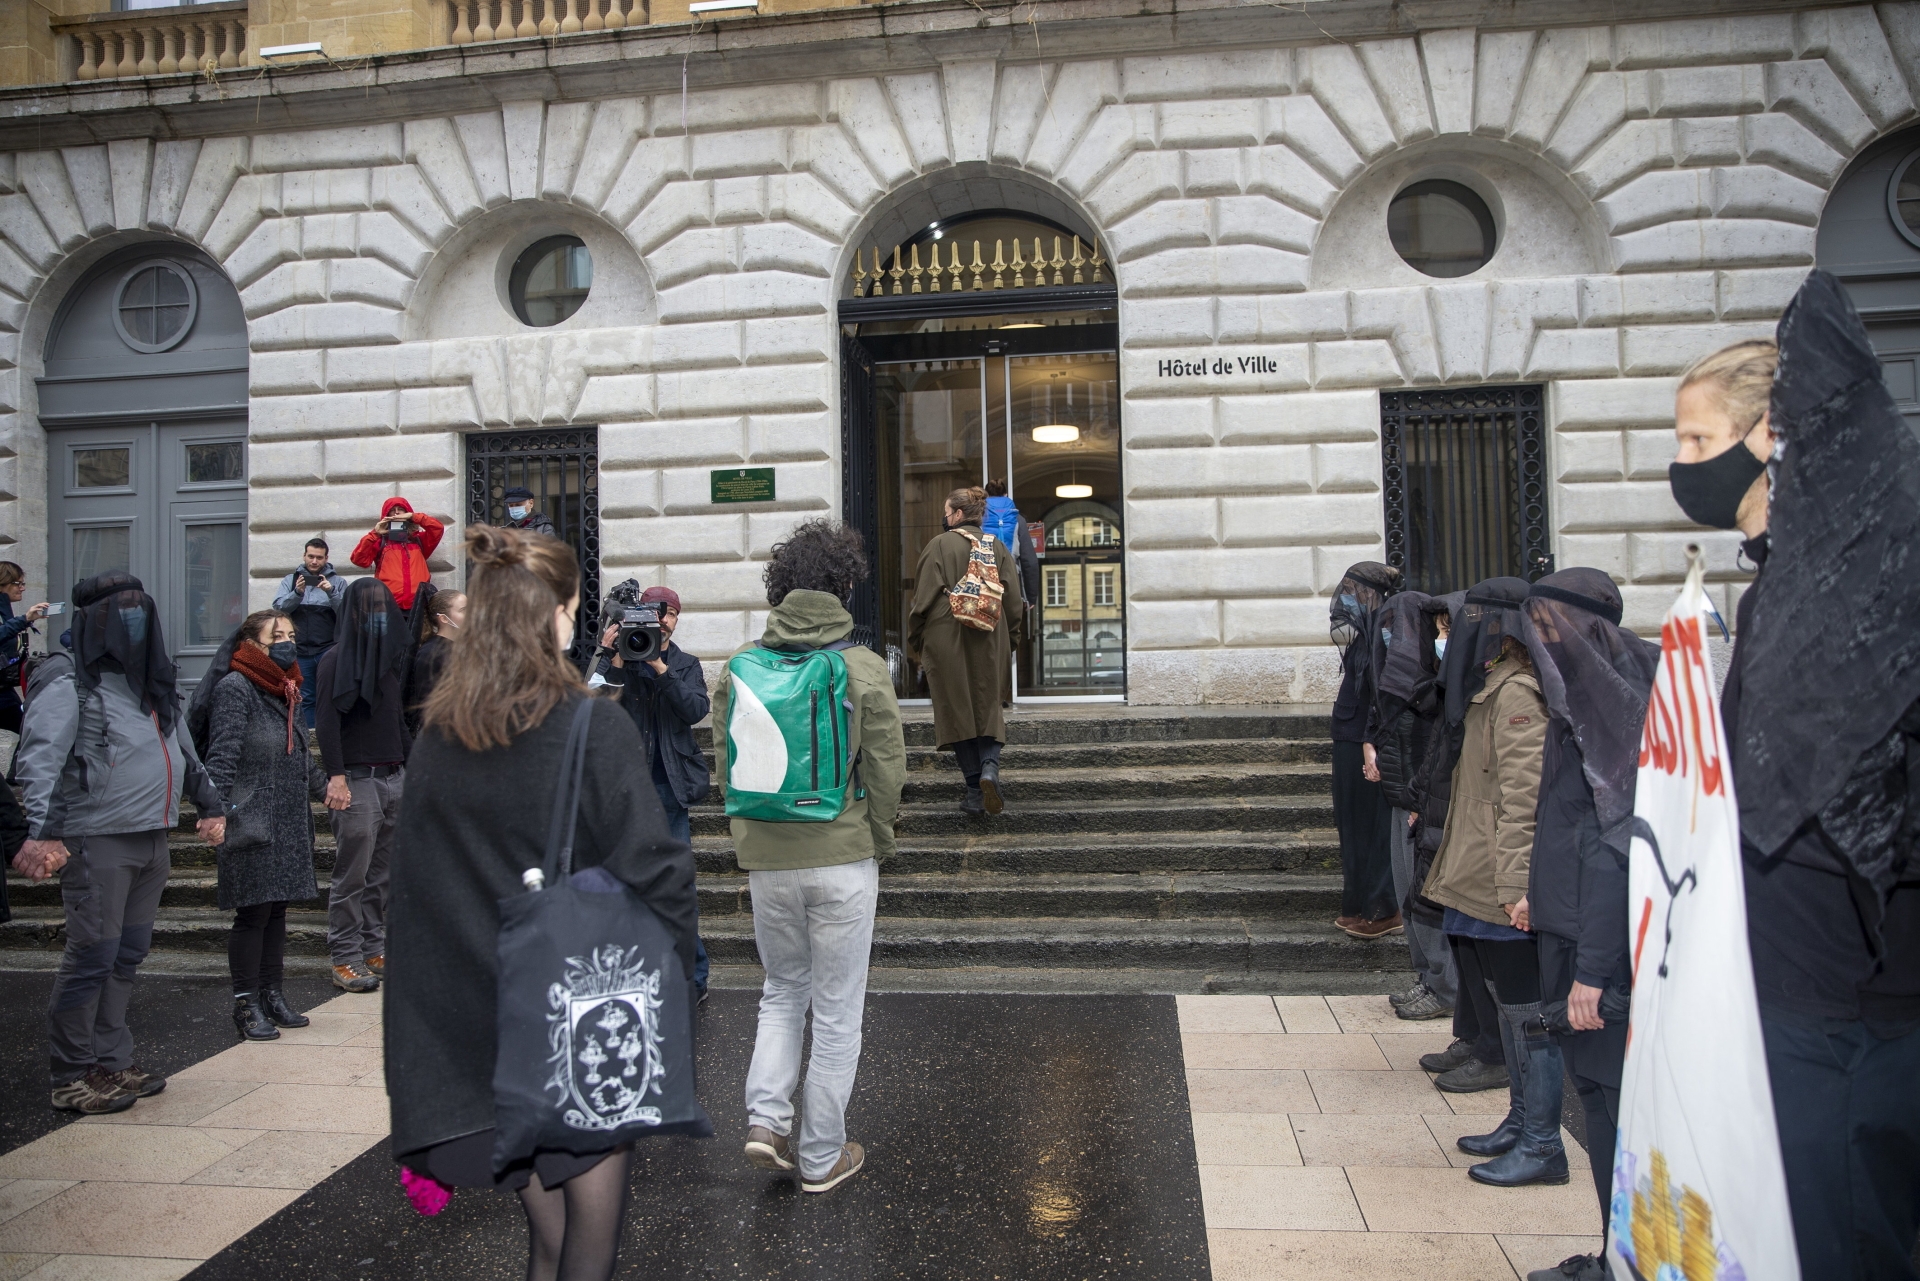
681	825
308	666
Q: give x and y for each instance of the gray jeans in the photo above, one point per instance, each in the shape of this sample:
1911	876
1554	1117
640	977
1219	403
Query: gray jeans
814	928
1426	944
363	845
111	890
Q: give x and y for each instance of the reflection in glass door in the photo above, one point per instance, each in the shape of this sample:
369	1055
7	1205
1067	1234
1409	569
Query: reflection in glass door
1049	425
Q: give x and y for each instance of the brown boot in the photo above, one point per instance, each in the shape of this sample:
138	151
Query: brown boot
1376	929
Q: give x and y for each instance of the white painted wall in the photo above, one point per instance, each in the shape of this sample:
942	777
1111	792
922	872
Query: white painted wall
1688	159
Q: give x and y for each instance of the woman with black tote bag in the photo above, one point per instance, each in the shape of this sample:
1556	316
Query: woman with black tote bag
478	811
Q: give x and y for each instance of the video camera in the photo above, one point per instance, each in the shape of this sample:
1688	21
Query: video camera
639	639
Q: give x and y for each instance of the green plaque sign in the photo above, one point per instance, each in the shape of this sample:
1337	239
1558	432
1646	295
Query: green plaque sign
743	485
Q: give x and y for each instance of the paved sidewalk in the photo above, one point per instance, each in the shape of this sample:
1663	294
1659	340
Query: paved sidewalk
148	1194
1324	1151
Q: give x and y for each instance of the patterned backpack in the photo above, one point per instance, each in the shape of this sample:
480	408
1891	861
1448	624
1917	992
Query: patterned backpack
975	599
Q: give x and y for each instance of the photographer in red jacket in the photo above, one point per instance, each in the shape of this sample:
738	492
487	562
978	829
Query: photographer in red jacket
396	549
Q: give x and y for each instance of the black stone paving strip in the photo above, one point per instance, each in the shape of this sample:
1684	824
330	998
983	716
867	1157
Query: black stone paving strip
176	1022
1008	1137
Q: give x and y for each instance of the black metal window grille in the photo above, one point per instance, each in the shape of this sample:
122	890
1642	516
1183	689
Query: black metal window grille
562	468
1464	471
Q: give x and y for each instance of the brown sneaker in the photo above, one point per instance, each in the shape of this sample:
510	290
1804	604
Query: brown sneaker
1376	929
94	1094
378	964
852	1158
769	1151
354	978
1348	922
137	1081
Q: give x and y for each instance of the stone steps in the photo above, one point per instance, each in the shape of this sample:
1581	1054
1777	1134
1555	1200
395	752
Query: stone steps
1142	849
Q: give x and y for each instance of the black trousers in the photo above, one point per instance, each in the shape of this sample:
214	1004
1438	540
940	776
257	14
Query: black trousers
972	753
1594	1061
1365	820
1474	1017
1849	1120
257	946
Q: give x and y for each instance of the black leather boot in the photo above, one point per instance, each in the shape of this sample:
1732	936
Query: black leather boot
274	1002
250	1021
1539	1156
1507	1133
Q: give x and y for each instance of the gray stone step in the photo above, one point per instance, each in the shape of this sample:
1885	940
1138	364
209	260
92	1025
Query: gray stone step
1072	787
1143	814
1183	753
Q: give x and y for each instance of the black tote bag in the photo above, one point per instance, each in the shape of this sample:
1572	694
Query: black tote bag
595	1014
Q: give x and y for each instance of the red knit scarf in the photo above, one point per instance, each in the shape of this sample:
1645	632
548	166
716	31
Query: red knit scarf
267	674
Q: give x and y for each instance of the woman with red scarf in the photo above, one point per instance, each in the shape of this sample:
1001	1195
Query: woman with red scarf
257	753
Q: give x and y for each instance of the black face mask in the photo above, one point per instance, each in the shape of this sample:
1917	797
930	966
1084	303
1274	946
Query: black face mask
283	654
1710	492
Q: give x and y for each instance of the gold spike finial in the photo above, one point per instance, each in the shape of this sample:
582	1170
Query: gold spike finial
999	263
953	266
915	269
1058	263
979	268
1077	261
1019	266
897	271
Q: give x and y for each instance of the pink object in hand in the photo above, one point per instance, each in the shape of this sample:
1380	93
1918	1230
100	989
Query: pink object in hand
429	1196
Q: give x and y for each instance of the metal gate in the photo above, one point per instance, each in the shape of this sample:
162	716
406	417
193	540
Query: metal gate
562	468
859	489
1465	484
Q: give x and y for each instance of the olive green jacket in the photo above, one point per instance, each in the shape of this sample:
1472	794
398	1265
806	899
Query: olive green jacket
1484	857
969	672
864	828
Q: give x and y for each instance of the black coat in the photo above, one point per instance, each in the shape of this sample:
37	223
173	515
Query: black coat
268	853
470	823
1577	886
13	834
665	709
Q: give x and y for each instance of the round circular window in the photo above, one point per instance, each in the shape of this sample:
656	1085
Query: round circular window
155	306
1903	198
550	280
1441	228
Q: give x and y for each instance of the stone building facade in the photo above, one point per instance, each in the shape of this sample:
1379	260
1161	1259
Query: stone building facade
1659	185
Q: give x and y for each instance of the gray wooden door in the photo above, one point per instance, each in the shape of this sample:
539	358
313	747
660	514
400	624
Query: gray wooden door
144	402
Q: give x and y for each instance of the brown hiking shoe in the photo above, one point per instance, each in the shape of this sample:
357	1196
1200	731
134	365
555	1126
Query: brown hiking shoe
378	964
852	1158
137	1081
1348	922
1376	929
354	978
768	1150
94	1094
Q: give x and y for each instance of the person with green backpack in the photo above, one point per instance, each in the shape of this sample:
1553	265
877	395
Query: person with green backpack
806	734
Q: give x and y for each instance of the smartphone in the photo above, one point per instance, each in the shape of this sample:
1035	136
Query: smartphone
59	607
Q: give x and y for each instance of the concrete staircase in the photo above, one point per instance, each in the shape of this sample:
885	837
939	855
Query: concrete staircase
1143	849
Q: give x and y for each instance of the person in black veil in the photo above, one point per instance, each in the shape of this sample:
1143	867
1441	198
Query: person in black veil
1360	811
1497	722
361	725
1597	678
1407	705
1813	463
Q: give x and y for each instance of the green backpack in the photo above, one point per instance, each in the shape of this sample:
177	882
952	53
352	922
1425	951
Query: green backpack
789	740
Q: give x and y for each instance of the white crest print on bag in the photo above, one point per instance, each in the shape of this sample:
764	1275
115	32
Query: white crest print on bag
604	1031
1699	1193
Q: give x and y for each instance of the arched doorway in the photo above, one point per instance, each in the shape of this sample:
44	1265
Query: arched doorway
1870	238
982	346
144	402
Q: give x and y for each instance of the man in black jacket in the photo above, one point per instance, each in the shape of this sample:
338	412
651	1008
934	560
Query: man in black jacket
666	697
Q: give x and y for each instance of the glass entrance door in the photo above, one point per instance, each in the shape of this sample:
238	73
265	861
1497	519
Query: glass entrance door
1048	427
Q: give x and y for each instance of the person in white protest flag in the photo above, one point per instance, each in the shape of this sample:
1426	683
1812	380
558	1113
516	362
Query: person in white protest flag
1801	448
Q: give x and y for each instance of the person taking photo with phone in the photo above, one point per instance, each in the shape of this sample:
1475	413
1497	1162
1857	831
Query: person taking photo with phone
310	597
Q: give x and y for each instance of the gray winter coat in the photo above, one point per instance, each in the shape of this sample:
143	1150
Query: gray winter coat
268	854
94	764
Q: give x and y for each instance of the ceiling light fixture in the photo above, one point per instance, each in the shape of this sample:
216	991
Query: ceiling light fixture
1073	491
1022	324
1056	434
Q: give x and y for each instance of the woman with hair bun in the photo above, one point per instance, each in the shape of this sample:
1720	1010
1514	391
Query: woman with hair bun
482	787
968	669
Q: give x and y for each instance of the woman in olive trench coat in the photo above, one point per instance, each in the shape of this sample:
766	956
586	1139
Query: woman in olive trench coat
968	670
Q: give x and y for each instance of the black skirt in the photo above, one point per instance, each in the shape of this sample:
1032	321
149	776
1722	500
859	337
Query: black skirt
467	1162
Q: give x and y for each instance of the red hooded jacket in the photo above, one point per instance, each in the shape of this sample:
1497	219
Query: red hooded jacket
400	563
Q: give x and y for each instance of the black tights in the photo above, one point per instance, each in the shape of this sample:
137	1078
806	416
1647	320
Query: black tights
257	947
574	1229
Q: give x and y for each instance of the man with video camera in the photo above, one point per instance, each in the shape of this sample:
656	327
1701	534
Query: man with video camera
664	689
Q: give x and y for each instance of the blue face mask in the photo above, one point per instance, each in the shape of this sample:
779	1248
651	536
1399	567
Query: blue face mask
1440	647
516	513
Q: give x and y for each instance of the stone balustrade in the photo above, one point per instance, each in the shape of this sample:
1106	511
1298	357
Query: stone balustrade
478	21
157	42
